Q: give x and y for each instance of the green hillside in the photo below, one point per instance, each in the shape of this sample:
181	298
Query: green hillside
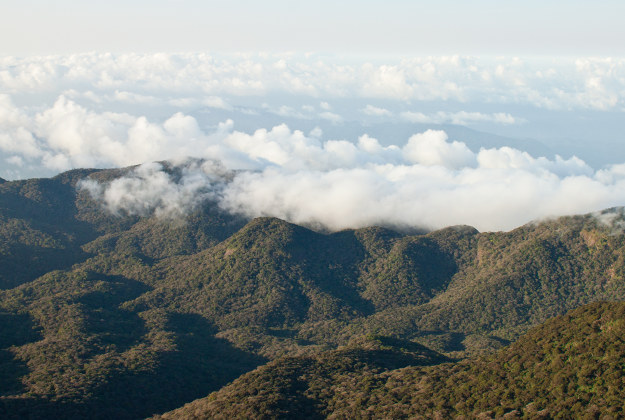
570	367
306	385
106	315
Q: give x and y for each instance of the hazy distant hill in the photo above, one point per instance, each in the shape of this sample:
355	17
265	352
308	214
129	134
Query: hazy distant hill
126	316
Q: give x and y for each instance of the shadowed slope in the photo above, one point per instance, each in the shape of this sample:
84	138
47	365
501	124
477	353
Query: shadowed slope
304	386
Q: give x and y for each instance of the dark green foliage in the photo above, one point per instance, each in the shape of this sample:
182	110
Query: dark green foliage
119	316
38	231
518	279
571	367
415	269
307	385
92	356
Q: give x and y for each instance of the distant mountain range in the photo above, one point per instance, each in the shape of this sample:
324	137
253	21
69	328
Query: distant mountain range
108	316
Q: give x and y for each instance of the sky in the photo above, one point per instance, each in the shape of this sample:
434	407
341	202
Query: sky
329	114
569	27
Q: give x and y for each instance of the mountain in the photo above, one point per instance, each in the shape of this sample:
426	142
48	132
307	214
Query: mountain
569	367
306	384
129	316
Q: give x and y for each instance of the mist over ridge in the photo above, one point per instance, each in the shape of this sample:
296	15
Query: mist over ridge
429	182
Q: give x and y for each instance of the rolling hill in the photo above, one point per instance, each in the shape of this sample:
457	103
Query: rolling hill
569	367
129	316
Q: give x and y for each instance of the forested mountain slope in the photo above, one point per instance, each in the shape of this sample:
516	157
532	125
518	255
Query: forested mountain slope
99	310
570	367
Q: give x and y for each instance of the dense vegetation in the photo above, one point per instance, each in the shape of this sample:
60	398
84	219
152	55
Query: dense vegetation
570	367
123	316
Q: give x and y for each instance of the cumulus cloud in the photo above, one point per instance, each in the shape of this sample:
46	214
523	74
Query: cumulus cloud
15	160
325	106
417	195
331	116
307	112
431	148
584	83
293	150
375	111
428	182
15	130
68	135
89	110
614	218
150	189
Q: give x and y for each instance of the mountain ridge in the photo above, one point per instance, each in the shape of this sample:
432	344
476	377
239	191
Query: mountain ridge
98	306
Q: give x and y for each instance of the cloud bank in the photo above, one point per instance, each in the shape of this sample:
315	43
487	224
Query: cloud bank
105	110
562	83
149	189
428	182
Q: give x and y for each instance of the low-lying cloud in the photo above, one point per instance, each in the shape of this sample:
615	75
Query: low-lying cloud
428	182
150	189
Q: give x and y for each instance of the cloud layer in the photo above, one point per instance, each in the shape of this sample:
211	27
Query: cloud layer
562	83
429	182
104	110
60	112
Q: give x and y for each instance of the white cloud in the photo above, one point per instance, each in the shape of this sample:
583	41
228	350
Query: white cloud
416	195
292	150
15	160
307	112
287	111
104	110
385	82
584	83
429	182
375	111
332	117
15	130
68	135
509	158
149	189
416	117
431	148
459	118
134	98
